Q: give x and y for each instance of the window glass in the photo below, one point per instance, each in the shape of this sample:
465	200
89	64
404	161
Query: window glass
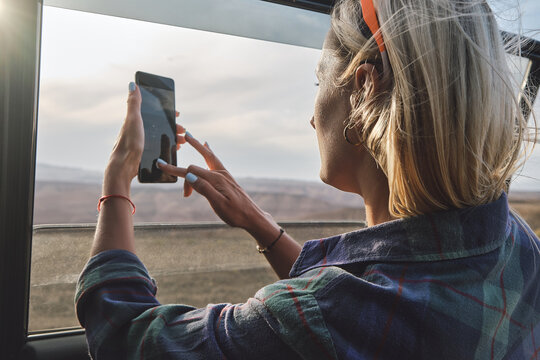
251	100
524	192
237	94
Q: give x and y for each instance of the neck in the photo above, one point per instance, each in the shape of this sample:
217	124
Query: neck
376	203
374	189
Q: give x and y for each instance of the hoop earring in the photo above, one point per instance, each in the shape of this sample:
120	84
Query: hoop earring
347	138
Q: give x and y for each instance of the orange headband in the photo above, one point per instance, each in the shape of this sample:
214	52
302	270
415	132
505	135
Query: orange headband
370	18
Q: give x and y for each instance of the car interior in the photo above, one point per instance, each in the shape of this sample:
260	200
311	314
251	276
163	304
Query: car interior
295	23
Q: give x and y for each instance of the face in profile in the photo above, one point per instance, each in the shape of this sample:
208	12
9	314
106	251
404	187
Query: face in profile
339	159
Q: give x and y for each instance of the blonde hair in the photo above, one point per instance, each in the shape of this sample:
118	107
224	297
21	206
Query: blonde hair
446	128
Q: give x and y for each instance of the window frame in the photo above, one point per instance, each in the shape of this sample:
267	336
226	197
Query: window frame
19	85
19	88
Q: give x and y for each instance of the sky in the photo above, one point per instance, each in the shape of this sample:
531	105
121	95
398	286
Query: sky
250	99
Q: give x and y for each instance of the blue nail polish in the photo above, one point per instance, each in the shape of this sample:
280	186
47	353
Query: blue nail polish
188	134
161	162
191	178
132	87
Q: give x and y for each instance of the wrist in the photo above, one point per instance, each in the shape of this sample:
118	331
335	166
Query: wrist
125	160
263	227
117	179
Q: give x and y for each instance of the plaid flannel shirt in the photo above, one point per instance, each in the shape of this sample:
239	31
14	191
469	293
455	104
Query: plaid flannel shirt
459	284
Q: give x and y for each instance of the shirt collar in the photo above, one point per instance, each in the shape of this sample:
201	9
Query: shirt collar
437	236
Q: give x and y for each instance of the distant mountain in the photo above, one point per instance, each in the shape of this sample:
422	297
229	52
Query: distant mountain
69	195
54	173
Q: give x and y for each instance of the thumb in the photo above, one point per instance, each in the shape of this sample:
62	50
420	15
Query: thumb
190	180
203	187
188	189
134	98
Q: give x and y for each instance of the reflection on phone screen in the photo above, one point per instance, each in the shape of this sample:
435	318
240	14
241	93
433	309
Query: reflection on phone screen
158	114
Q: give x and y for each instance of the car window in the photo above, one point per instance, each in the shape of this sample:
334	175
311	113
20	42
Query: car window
250	99
528	178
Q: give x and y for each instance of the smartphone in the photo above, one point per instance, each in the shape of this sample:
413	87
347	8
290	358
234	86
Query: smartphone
159	119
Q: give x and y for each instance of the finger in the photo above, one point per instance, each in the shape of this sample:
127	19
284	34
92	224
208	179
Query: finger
213	177
187	189
206	174
180	129
219	179
211	159
205	188
177	113
171	169
180	139
177	146
134	98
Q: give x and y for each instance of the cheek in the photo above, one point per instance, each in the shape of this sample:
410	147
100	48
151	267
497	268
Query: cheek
330	115
323	111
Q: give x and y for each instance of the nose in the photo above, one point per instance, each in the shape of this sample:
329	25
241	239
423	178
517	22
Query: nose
312	122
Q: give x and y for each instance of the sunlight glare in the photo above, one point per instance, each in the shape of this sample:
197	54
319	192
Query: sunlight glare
3	9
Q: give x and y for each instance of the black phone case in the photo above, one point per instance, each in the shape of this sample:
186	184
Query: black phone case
150	85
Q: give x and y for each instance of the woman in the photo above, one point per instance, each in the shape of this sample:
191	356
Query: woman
420	120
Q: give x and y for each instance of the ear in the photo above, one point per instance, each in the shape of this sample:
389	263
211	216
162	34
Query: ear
367	76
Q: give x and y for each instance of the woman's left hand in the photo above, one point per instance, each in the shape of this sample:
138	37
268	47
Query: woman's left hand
229	201
234	206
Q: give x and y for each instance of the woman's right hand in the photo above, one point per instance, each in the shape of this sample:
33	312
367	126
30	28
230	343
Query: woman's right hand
228	200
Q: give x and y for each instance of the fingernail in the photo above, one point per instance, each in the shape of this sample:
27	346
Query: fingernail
188	134
161	162
132	87
191	178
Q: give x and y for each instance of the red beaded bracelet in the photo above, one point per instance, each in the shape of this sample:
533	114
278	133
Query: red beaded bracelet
106	197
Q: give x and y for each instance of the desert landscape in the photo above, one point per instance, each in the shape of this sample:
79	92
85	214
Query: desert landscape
192	264
194	257
181	241
69	196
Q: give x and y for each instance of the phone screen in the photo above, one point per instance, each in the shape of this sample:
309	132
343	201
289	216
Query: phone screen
158	113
